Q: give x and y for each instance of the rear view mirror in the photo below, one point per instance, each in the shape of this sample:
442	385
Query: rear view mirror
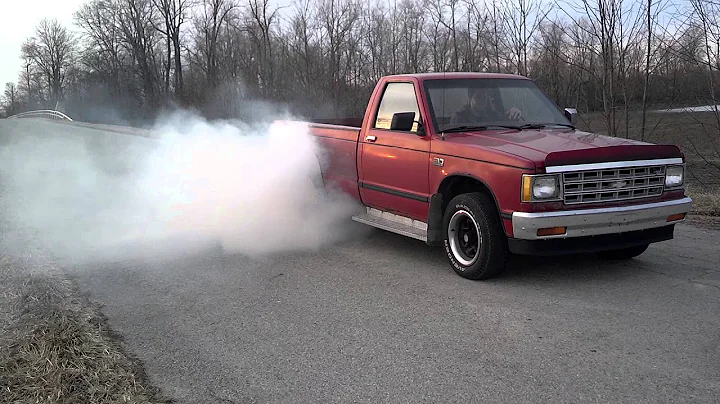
571	115
403	121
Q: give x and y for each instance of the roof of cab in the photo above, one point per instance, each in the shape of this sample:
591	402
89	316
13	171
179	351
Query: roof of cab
458	75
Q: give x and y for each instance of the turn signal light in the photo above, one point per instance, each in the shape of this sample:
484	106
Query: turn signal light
552	231
527	189
679	216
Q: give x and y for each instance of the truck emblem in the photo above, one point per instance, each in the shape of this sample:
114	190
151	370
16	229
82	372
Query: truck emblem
438	162
618	184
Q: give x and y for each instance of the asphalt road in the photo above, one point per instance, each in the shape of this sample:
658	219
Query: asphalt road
382	318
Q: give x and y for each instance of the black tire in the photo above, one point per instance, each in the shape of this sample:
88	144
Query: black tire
463	213
623	253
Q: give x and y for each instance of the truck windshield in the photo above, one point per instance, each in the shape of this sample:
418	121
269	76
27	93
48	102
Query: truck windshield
486	102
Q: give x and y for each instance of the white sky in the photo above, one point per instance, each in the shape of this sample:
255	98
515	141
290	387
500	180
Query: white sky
18	20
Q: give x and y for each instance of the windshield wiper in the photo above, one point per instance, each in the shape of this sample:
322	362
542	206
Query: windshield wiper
542	125
467	128
532	126
463	128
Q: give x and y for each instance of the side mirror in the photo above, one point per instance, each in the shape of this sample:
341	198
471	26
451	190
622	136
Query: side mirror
403	121
571	115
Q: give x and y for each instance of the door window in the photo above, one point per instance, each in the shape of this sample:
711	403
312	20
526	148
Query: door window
398	97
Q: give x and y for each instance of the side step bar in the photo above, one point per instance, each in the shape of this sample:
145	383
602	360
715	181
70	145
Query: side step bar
394	223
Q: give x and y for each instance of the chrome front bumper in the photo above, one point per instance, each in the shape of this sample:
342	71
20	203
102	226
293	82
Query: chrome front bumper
593	222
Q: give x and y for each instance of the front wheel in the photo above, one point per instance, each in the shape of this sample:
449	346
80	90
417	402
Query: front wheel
623	253
474	240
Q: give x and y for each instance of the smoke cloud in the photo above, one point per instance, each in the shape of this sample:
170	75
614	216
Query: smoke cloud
253	189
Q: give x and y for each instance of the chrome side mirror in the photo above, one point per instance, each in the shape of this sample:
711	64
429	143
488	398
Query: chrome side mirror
571	115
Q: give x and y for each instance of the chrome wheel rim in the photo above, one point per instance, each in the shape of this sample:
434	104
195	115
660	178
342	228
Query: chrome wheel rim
464	237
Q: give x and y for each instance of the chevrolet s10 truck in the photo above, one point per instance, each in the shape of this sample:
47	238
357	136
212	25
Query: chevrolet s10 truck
486	165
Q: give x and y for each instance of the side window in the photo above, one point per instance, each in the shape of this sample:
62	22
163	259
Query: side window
398	97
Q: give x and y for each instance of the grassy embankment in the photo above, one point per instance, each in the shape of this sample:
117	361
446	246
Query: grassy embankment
56	346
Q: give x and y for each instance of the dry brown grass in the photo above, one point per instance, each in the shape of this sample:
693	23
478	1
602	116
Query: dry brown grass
705	203
59	349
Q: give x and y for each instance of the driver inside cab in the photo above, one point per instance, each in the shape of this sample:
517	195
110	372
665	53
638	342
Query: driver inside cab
484	106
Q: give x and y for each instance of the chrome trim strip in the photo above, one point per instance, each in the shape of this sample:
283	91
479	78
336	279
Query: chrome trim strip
591	222
397	218
612	164
408	195
639	177
605	190
394	223
618	209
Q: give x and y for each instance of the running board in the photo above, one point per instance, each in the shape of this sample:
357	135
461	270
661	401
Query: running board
394	223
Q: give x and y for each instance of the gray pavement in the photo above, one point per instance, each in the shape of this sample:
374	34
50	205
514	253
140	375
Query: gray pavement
382	318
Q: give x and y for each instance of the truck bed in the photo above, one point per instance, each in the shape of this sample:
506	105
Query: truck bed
348	122
338	139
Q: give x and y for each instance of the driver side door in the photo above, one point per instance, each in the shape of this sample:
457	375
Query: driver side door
394	164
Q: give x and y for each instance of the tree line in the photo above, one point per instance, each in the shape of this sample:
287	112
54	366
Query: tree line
127	60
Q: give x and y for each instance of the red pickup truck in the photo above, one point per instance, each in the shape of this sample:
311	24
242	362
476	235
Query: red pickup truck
487	165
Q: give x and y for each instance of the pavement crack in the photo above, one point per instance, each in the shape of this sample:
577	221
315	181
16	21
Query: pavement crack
643	268
689	281
686	280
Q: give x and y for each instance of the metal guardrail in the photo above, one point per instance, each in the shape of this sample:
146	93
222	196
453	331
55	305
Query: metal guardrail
43	113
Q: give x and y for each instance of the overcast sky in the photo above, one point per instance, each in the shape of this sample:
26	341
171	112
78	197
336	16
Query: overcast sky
19	18
17	23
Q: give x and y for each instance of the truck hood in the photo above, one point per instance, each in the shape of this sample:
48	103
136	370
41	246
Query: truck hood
558	146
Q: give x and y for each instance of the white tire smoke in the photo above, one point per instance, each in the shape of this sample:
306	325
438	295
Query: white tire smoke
249	188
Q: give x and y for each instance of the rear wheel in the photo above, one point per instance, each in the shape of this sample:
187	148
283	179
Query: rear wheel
623	253
474	240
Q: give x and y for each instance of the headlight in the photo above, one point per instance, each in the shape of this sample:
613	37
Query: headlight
540	188
674	176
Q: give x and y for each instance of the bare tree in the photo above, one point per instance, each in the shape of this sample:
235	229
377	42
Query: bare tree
260	19
103	51
338	19
522	18
209	24
11	100
325	56
174	14
137	35
51	51
604	18
651	54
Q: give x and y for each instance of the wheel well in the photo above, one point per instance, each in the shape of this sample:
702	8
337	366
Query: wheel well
453	186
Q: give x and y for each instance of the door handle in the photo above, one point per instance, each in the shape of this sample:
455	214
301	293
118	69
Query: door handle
370	138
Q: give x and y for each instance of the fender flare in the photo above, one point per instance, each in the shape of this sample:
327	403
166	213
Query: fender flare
435	213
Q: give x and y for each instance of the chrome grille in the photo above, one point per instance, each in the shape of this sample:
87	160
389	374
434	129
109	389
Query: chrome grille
614	184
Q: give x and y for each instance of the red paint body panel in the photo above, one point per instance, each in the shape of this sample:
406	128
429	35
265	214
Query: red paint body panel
398	162
452	75
338	161
395	171
502	180
613	153
485	148
558	145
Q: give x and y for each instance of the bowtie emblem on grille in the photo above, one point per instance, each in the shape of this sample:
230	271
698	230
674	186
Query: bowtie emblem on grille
618	184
